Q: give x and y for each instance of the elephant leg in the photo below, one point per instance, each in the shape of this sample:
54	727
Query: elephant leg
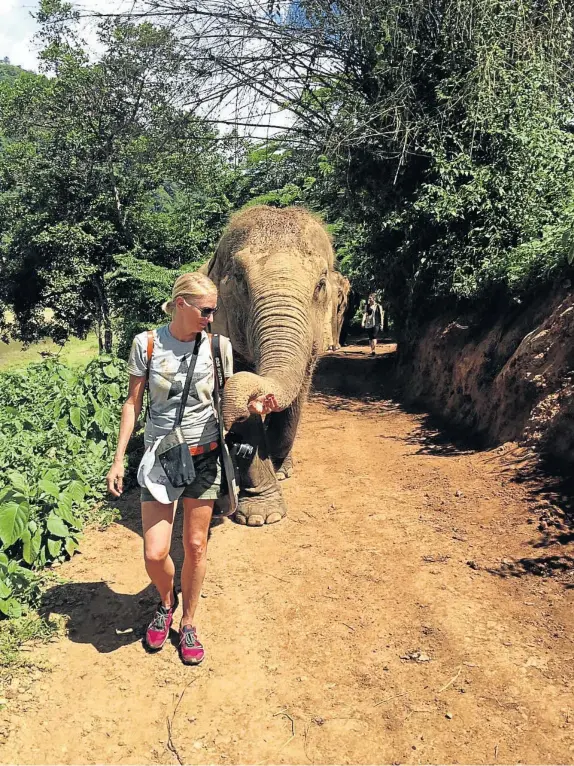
281	428
283	468
260	498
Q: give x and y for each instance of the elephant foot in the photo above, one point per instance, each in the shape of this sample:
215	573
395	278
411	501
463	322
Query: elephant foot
255	512
283	468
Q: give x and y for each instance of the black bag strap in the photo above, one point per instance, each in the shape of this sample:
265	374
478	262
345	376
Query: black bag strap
219	378
217	361
150	345
218	385
188	377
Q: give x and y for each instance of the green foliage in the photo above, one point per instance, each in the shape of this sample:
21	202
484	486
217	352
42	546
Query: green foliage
138	288
460	164
15	633
435	137
96	163
9	72
58	428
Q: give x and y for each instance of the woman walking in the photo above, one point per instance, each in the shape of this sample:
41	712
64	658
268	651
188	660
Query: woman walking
171	349
372	321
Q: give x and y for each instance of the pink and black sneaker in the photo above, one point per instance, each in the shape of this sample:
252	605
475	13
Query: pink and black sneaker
190	649
158	629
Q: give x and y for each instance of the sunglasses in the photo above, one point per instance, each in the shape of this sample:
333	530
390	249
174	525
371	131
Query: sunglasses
205	311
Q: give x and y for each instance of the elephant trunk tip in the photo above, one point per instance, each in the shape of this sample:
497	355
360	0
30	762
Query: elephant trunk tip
242	387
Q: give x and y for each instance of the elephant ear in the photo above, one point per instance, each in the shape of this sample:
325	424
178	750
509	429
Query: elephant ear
211	268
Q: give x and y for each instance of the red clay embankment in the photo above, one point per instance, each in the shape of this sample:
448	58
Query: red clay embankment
508	380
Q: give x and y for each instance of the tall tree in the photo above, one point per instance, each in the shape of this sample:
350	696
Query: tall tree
97	162
447	125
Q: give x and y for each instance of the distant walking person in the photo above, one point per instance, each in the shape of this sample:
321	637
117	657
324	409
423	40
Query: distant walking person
372	320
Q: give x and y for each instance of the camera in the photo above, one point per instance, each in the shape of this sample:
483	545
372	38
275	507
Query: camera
239	450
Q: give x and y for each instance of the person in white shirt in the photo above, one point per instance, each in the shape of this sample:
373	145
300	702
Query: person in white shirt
372	321
170	348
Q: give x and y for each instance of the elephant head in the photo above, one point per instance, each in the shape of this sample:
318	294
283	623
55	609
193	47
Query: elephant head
273	270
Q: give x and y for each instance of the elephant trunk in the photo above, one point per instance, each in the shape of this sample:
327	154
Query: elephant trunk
281	338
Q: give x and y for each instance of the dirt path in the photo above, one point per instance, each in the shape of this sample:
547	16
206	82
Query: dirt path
307	622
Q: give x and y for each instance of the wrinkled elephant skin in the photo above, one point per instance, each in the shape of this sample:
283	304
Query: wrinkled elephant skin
273	268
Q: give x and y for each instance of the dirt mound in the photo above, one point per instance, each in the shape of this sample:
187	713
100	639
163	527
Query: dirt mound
510	381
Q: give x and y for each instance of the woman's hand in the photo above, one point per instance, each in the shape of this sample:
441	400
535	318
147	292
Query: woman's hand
263	405
115	478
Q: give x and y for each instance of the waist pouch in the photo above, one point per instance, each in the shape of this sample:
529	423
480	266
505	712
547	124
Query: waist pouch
174	456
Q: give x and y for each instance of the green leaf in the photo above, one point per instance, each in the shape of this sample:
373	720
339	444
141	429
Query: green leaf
76	491
12	495
70	545
67	375
65	502
10	607
114	391
104	419
32	546
5	589
56	526
19	482
54	547
53	474
64	513
13	520
76	417
111	371
49	487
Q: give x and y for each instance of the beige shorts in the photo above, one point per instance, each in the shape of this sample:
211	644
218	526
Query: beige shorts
207	482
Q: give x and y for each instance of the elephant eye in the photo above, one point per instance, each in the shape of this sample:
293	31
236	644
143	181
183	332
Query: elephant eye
320	286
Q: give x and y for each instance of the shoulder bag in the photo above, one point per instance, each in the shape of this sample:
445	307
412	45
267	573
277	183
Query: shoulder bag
173	451
229	468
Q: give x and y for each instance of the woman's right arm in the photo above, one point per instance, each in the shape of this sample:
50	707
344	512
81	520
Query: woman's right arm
130	413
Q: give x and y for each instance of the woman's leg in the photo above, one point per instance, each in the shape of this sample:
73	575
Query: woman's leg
196	520
157	523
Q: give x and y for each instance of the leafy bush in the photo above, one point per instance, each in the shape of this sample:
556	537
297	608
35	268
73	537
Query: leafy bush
57	434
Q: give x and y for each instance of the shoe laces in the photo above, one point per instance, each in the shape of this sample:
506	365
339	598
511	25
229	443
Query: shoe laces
160	618
190	638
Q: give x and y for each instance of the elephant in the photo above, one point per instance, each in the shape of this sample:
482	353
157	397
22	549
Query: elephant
273	268
340	288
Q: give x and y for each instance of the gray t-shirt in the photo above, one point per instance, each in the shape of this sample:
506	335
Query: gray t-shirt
373	319
168	370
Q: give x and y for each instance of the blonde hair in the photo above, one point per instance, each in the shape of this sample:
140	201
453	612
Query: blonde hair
194	284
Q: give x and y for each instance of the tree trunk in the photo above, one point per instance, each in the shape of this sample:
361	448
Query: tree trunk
105	320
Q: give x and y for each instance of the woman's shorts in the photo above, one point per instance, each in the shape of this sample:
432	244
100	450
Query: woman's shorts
372	332
207	482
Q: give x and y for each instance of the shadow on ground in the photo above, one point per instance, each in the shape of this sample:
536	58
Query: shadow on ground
351	380
551	505
98	615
